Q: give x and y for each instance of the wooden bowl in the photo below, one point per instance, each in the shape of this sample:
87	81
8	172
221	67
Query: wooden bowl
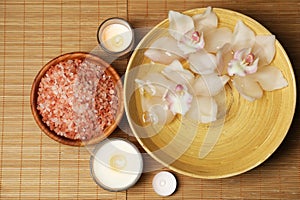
34	94
249	133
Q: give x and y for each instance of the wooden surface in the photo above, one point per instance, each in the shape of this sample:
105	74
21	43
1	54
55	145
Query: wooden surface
32	166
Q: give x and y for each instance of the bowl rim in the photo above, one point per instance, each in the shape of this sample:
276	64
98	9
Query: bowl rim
271	151
35	86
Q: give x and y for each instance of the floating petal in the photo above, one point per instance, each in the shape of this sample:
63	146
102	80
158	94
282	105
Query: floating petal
270	78
242	63
145	87
202	62
243	37
155	84
251	69
209	85
160	57
164	50
241	54
264	49
216	38
179	100
203	110
180	24
155	111
190	44
247	87
224	56
176	73
206	20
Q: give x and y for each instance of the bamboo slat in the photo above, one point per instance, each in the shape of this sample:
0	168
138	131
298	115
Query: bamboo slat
32	166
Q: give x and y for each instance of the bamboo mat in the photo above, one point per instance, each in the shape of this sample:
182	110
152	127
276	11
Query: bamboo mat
32	166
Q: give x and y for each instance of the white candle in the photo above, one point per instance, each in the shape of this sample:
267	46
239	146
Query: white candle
164	183
115	35
116	164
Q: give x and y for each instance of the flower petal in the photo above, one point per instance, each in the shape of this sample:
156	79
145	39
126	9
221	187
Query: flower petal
235	68
270	78
264	49
143	87
242	53
206	20
155	110
242	63
176	73
203	110
224	56
188	45
247	87
154	84
164	50
251	69
158	56
209	85
243	37
179	100
179	24
202	62
216	38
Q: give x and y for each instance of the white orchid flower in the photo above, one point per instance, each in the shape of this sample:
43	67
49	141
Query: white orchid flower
247	60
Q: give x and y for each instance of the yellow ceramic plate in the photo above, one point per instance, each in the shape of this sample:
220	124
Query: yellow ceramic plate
249	133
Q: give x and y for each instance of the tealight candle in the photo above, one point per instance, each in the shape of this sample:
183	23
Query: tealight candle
164	183
116	36
116	164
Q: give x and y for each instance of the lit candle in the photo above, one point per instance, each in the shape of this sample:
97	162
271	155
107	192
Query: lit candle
116	164
164	183
116	36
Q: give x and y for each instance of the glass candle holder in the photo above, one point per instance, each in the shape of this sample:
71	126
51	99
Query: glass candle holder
116	37
116	164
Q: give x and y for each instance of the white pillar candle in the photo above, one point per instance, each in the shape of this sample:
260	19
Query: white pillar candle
116	164
116	36
164	183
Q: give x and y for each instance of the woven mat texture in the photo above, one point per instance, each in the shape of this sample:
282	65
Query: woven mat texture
32	166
